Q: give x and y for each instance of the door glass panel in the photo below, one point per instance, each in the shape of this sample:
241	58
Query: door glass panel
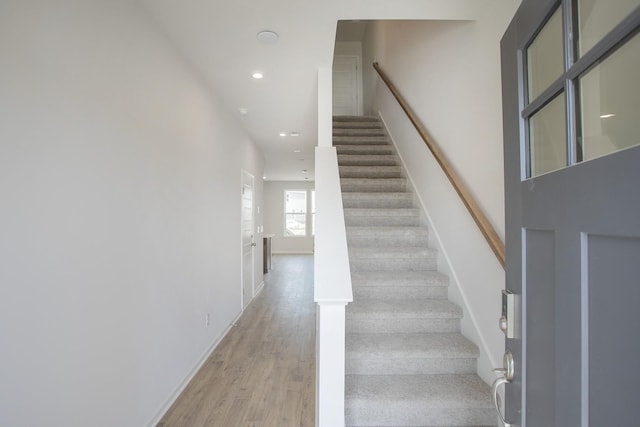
545	56
609	95
598	17
547	137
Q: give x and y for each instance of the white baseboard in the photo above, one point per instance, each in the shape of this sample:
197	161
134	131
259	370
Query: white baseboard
293	253
194	370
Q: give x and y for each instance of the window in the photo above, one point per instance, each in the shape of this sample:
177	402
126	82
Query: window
299	213
580	72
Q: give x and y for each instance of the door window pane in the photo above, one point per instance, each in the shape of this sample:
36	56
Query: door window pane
547	137
609	95
545	56
295	212
598	17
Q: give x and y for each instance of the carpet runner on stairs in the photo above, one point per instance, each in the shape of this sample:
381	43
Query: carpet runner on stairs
407	364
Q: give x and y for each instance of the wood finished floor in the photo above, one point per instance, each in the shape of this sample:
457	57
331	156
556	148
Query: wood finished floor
262	374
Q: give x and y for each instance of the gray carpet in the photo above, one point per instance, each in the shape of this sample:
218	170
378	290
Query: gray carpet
406	362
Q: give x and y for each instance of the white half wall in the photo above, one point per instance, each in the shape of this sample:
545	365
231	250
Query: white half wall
119	216
274	217
449	72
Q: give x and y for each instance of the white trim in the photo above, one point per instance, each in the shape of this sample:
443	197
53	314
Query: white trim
446	266
258	290
192	373
244	173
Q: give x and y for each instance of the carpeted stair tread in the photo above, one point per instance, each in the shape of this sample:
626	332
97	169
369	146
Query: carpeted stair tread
394	278
372	172
373	184
367	160
379	200
391	285
358	131
399	309
381	149
359	252
344	118
399	236
400	346
417	400
360	140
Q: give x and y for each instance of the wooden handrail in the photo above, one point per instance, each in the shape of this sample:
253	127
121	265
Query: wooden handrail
487	230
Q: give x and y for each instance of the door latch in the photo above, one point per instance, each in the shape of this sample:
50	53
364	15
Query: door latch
508	321
508	372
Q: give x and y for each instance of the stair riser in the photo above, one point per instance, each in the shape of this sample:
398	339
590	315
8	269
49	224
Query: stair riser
348	120
367	160
373	185
392	172
408	366
381	203
387	241
387	220
360	140
371	150
400	292
400	326
395	264
408	414
359	131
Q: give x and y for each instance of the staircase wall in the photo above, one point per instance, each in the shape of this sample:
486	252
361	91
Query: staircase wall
450	74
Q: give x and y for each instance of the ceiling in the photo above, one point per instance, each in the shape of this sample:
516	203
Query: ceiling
218	38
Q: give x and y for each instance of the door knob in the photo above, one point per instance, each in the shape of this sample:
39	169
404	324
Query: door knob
253	244
507	372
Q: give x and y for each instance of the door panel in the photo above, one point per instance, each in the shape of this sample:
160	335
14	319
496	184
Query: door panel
572	230
613	265
541	359
346	83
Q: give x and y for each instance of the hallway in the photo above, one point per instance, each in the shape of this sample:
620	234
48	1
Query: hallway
263	371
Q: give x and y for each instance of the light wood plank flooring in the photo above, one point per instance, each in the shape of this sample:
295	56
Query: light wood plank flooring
263	371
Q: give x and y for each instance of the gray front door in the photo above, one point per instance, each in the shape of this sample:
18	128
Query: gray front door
571	99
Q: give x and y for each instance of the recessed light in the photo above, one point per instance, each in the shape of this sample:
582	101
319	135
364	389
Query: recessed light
243	111
296	151
606	116
267	36
264	177
283	134
257	75
295	133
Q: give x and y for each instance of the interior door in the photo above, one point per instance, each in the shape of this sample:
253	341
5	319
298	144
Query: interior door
571	98
248	238
346	83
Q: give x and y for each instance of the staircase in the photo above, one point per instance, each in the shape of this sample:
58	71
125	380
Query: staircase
406	362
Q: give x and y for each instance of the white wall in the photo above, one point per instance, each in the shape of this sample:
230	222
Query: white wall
119	215
274	217
449	72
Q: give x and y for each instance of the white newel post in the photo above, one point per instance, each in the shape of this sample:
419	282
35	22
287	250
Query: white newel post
330	360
